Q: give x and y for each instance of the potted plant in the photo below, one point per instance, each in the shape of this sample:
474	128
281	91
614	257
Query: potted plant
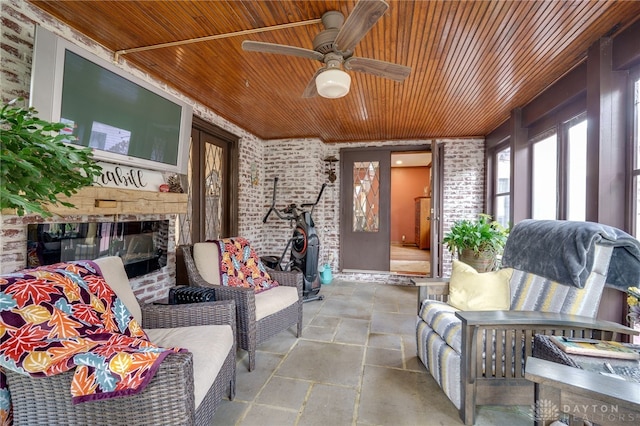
36	165
477	242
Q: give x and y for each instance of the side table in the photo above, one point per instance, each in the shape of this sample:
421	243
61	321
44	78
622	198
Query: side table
573	385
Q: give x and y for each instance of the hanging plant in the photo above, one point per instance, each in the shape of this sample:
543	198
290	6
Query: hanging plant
36	165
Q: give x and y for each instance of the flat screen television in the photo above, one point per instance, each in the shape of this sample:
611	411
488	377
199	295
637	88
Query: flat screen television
123	118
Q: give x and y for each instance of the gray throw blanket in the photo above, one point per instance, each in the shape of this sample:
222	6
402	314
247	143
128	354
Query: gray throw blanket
563	251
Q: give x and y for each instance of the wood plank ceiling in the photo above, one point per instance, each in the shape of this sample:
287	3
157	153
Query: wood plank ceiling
472	61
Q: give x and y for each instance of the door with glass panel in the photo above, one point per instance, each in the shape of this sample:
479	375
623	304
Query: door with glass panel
212	202
365	219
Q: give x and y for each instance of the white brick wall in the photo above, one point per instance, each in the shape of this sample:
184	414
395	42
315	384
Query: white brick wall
298	163
463	196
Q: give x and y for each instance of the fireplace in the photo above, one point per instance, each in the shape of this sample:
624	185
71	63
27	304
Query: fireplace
142	245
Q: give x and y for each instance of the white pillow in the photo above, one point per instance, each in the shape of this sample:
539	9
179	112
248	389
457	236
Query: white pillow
470	290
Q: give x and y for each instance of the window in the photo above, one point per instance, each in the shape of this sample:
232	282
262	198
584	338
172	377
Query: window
559	172
545	178
577	172
503	186
635	172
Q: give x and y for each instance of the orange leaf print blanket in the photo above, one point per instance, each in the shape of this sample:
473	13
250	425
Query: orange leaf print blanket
60	317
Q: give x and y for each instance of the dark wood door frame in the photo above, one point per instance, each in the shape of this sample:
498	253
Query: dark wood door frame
365	250
229	225
390	150
229	141
437	189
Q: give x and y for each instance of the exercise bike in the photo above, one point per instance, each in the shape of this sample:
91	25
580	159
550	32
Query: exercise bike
304	244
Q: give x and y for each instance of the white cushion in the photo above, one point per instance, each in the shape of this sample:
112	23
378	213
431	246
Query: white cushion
473	291
210	345
275	299
206	258
116	277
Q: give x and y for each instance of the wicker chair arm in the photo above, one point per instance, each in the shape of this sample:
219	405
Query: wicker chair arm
289	279
167	399
219	312
245	299
196	280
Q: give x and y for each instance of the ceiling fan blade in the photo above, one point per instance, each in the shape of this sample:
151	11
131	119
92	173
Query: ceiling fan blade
358	23
311	90
281	49
378	68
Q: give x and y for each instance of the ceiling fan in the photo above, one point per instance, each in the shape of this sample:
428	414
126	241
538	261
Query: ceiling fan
334	48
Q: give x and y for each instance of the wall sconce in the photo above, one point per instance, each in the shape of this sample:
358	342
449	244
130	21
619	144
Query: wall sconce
330	167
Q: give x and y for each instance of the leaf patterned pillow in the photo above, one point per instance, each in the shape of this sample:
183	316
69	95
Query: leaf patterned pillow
240	266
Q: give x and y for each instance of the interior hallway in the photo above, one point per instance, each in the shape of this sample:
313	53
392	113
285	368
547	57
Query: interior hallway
409	259
355	364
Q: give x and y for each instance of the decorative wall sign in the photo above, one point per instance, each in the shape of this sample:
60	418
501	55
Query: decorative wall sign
120	176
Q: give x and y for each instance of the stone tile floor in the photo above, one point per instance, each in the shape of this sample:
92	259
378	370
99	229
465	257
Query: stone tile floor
355	364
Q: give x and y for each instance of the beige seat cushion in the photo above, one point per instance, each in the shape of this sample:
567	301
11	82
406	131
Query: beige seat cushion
275	299
210	345
206	258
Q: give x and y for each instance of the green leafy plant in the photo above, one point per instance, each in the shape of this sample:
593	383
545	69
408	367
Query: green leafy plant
36	165
479	235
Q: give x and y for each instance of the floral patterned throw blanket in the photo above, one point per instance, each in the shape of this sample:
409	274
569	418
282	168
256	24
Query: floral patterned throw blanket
240	266
59	317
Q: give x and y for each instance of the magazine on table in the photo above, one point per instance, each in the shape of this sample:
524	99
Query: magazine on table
593	347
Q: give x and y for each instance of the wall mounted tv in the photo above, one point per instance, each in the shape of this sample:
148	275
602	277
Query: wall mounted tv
123	118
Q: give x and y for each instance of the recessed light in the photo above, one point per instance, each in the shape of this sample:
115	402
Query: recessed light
398	162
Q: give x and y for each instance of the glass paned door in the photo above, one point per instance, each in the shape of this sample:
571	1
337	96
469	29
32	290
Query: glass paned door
208	213
366	193
214	173
366	196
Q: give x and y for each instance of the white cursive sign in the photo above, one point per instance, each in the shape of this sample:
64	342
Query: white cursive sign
119	176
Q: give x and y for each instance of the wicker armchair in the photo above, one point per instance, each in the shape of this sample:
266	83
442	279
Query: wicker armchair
254	326
167	399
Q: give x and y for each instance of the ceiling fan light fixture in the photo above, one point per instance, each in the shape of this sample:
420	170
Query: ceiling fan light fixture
333	83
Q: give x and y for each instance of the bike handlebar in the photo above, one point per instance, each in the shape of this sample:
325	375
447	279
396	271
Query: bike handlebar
324	185
291	209
273	201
